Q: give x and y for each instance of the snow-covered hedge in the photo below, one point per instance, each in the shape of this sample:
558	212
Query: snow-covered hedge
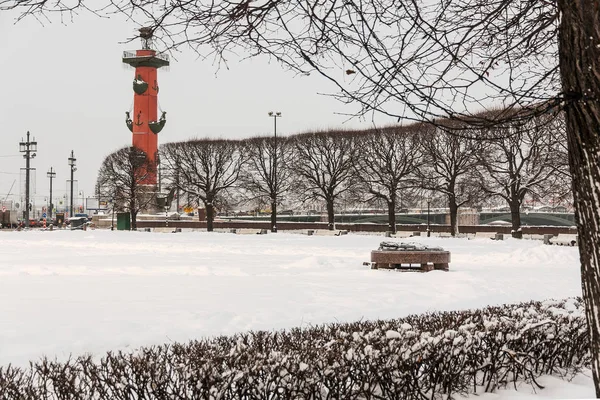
421	356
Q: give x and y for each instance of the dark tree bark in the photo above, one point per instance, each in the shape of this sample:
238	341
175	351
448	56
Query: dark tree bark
330	213
274	214
515	218
392	214
579	58
453	208
210	213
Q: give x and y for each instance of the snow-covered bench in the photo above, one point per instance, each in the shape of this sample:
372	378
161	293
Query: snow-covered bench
485	235
326	232
403	234
163	230
534	236
398	234
564	240
403	256
249	231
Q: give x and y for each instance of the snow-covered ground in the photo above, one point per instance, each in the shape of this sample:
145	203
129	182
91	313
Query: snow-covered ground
580	387
74	292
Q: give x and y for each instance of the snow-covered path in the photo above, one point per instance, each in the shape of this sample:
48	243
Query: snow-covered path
75	292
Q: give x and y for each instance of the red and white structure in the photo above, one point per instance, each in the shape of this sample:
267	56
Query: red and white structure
145	124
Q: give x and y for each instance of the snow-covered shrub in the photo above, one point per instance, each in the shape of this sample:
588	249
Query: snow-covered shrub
435	355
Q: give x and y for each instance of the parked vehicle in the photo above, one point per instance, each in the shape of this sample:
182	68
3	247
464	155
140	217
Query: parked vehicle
8	219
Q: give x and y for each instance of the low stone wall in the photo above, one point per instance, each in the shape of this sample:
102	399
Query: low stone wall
283	226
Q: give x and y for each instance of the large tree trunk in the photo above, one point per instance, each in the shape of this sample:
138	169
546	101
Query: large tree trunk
133	220
330	215
515	219
392	215
453	214
210	215
133	213
273	215
579	55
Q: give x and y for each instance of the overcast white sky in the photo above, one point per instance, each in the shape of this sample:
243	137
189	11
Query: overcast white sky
66	84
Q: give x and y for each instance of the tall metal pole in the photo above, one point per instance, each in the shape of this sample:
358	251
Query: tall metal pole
27	158
428	230
28	148
72	164
177	186
71	202
275	115
51	174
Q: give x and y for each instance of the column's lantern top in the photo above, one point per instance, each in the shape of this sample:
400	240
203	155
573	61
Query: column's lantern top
146	34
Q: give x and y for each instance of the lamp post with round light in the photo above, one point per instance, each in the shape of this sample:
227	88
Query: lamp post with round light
274	115
50	174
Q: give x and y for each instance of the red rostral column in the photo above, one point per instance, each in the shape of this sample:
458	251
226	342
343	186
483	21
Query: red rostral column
145	123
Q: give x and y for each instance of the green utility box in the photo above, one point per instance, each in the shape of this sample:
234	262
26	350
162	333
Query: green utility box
123	221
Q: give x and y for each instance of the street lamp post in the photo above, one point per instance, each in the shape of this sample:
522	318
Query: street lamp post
29	148
50	174
274	115
428	206
72	163
112	223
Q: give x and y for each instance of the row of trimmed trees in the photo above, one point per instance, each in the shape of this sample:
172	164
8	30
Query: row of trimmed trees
393	166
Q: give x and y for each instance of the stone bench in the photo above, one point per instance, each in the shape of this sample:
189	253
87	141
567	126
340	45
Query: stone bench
489	235
426	260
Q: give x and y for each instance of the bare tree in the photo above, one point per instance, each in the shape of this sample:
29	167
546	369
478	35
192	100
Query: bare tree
448	168
323	165
265	176
522	161
121	178
205	168
421	60
386	165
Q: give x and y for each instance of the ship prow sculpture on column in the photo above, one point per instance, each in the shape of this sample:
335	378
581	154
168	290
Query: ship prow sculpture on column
144	123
